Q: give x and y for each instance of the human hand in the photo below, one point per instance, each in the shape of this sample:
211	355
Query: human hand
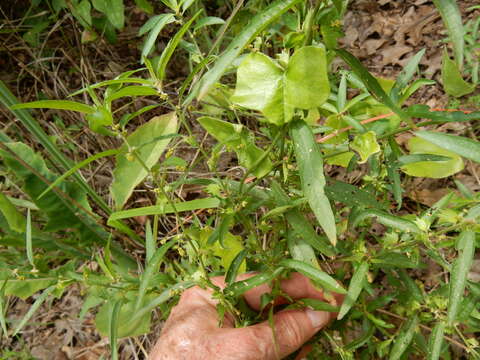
192	331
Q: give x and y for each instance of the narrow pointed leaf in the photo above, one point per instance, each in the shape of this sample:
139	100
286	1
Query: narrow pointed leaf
404	338
452	18
56	104
435	342
459	274
354	289
310	163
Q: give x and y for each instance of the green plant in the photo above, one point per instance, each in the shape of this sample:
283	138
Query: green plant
281	213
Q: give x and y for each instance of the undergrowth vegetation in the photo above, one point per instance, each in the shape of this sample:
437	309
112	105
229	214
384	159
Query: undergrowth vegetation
264	100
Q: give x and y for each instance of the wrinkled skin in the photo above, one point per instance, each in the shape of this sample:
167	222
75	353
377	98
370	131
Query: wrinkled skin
192	332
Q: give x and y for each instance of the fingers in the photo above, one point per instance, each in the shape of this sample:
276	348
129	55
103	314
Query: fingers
291	330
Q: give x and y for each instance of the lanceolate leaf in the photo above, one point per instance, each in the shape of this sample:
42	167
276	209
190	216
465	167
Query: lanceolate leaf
318	276
404	338
15	220
383	218
435	342
56	104
354	289
452	18
460	145
158	22
310	165
458	277
129	172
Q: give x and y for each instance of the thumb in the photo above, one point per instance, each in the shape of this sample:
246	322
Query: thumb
291	330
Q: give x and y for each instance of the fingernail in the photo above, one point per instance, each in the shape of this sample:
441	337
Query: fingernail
318	318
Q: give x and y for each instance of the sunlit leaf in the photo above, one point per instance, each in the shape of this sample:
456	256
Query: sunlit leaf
365	145
452	79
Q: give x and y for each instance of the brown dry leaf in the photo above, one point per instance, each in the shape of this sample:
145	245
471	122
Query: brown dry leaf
426	196
393	54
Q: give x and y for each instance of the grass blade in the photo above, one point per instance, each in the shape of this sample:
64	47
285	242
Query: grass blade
310	164
34	308
458	277
354	289
435	342
460	145
318	276
205	203
452	18
56	104
404	338
3	309
258	23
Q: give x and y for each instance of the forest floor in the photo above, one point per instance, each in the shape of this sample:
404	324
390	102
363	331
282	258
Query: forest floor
384	34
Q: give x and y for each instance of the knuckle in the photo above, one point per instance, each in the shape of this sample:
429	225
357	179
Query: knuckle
290	331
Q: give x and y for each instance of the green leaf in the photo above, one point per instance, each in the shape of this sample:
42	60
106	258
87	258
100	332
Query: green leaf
260	87
134	90
306	78
234	268
34	307
238	139
435	342
415	158
113	327
28	239
354	289
452	18
310	165
459	274
171	46
383	218
460	145
239	287
56	104
208	21
371	83
351	195
314	304
145	5
256	25
318	276
452	79
406	75
98	121
81	12
150	270
15	219
157	22
115	13
431	169
205	203
404	338
365	145
128	174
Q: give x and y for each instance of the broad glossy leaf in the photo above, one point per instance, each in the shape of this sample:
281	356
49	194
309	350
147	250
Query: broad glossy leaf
404	338
237	138
354	289
365	145
452	18
255	26
452	79
318	276
460	145
431	169
260	87
128	174
310	163
306	78
458	276
56	104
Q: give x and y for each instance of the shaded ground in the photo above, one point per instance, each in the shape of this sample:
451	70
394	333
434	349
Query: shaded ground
383	34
